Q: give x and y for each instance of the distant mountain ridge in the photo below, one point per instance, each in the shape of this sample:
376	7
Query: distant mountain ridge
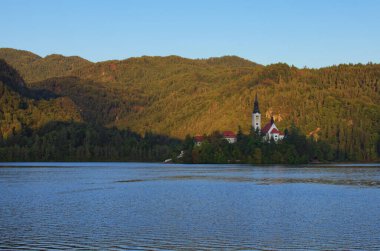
35	68
178	96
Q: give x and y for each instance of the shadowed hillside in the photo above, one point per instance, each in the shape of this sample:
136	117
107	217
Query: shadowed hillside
71	141
22	108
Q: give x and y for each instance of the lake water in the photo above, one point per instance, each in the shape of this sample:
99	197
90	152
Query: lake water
164	207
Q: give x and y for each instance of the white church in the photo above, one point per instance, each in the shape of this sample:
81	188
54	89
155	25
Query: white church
270	130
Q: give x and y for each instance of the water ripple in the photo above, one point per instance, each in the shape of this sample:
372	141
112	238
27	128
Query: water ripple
180	207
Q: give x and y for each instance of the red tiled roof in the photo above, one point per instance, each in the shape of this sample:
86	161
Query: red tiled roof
229	134
199	138
282	134
274	130
266	128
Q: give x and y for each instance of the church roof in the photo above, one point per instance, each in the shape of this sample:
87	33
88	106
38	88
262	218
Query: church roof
229	134
256	105
199	138
274	130
266	128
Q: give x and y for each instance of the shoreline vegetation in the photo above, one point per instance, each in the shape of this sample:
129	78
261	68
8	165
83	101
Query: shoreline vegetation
295	148
58	164
60	108
73	142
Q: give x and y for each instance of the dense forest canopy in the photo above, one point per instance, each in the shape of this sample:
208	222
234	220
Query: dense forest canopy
175	96
22	108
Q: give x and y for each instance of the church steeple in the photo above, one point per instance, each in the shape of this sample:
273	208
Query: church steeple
256	116
256	105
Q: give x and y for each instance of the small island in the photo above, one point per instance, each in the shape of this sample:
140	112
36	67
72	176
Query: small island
267	145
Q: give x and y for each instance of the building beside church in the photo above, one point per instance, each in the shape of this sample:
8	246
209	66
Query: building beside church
199	140
230	136
270	130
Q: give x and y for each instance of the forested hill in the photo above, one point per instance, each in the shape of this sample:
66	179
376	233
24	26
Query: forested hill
35	68
22	109
177	96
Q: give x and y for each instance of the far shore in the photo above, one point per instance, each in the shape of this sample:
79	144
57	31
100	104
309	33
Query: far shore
115	163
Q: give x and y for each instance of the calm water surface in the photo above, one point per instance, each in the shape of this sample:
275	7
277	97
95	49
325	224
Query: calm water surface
164	207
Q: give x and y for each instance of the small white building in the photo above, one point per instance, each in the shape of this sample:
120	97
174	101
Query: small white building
199	140
230	136
270	131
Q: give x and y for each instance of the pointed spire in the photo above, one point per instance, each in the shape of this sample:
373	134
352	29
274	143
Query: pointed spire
271	120
256	105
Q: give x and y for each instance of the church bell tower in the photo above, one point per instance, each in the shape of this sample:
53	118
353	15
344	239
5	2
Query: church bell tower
256	115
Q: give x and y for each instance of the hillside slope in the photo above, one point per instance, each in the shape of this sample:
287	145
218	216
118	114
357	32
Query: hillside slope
21	108
178	96
35	68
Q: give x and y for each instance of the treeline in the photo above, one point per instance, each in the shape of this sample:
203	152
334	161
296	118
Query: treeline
65	141
295	148
71	141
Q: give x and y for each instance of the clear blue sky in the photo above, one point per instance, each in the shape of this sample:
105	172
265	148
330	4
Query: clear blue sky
299	32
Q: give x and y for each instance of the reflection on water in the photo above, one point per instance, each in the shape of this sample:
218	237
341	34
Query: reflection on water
154	206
